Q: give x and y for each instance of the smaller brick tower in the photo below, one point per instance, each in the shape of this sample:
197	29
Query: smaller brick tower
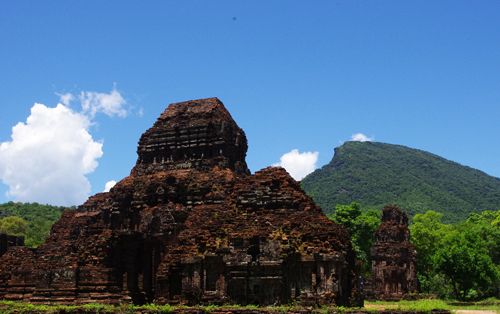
393	258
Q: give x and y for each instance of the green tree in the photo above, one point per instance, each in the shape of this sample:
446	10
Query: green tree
346	215
486	224
463	257
427	231
13	225
365	226
457	260
361	225
39	218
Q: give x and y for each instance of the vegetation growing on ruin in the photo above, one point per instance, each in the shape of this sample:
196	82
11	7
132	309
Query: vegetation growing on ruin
376	174
31	220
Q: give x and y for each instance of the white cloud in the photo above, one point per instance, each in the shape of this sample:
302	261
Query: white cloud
66	99
111	104
360	137
109	185
49	156
298	164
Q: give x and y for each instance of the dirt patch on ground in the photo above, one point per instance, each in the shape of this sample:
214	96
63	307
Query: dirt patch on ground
378	307
475	312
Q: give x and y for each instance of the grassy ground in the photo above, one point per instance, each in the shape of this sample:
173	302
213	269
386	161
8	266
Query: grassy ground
424	306
431	304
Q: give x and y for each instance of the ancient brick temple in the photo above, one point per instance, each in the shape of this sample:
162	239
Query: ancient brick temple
393	258
189	225
7	241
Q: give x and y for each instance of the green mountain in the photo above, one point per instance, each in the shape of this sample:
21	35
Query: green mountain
375	174
38	219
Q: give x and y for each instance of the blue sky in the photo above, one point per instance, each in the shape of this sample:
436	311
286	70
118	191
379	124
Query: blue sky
294	74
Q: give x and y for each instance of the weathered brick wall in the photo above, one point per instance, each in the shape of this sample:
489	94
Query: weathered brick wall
393	258
190	225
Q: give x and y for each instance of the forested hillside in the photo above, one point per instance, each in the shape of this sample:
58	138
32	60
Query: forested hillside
31	220
375	174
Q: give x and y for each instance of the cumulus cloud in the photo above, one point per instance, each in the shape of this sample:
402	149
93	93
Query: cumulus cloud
49	156
360	137
298	164
111	104
109	185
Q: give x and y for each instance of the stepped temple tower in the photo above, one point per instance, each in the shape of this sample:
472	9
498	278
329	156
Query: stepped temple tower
190	225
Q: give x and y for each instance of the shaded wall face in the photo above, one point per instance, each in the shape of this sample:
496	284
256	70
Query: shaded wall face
254	284
7	241
249	275
134	260
393	280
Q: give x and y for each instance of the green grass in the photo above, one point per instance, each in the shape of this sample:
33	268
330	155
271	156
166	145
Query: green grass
423	306
11	307
403	305
426	305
